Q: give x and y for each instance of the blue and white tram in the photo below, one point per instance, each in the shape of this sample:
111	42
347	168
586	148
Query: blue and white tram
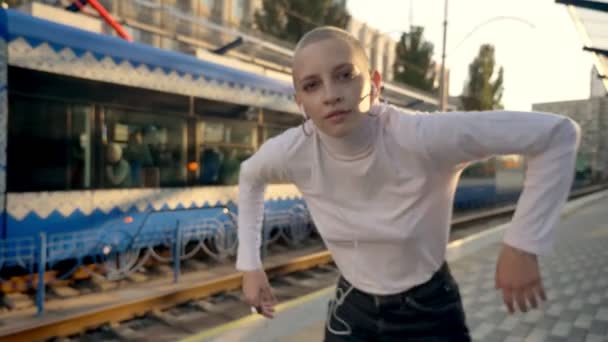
110	143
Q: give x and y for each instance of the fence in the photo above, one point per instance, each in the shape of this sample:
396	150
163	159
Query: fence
119	249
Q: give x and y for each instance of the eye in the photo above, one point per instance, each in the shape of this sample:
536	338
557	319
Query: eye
346	75
310	86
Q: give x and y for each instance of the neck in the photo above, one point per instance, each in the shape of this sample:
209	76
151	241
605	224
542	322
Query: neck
356	144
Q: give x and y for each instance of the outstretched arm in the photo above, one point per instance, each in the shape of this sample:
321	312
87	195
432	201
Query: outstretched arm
549	142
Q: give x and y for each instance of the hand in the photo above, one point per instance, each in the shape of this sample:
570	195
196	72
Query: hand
518	275
258	293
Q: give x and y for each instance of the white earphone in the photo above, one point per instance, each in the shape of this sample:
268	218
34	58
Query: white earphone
301	108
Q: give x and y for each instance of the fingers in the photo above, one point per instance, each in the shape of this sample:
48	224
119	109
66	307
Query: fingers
267	301
263	302
267	310
507	298
541	291
258	294
532	295
520	297
267	296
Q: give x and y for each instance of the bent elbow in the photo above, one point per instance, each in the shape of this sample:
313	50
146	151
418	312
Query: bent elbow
571	132
245	171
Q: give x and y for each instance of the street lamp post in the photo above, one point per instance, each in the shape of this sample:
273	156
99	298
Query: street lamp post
442	85
443	93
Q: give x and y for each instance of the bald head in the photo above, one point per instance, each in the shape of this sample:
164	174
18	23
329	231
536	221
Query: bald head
331	32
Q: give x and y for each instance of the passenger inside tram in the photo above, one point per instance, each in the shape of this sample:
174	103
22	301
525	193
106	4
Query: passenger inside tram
138	155
118	171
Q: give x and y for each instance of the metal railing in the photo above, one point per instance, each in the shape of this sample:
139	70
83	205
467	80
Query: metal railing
119	249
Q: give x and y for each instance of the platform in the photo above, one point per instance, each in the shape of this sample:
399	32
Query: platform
575	278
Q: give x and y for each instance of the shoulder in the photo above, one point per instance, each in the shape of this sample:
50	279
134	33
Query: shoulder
279	149
398	123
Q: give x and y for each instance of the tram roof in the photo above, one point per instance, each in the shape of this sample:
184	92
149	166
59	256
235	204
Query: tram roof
48	46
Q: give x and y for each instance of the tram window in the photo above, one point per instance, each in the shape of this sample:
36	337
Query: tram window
143	150
282	119
49	146
270	132
222	146
223	110
276	123
80	147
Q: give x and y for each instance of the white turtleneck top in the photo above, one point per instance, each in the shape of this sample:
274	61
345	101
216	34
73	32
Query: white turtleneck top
381	198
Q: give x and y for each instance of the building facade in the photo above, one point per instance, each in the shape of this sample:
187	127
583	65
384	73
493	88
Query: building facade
380	47
592	115
597	88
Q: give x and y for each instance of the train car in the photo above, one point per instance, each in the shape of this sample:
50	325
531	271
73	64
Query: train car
111	145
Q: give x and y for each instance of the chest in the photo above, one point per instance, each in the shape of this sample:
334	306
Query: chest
386	174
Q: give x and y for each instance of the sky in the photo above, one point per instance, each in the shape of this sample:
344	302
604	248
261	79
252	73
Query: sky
541	51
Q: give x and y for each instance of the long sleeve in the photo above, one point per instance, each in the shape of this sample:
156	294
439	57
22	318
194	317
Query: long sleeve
265	166
548	141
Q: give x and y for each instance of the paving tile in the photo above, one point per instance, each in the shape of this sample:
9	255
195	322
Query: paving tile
508	323
599	327
482	331
561	329
594	338
521	329
537	335
602	314
583	321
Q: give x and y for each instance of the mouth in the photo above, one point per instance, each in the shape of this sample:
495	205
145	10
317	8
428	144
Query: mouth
336	114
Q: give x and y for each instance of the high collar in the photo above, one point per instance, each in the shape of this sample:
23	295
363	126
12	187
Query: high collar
355	145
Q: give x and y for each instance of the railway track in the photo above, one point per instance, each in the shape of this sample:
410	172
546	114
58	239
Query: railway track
170	311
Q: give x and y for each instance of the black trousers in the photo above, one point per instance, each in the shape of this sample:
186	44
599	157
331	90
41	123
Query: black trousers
431	311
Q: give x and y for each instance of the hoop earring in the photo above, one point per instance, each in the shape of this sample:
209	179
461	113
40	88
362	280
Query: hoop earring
304	129
306	118
385	103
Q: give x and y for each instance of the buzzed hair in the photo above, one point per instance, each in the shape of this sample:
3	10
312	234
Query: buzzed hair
326	32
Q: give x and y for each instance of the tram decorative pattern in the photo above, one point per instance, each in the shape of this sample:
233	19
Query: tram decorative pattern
66	51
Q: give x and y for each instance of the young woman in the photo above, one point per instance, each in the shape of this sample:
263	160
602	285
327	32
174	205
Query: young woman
379	183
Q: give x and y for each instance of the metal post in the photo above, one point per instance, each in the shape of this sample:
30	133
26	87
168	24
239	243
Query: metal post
41	268
442	85
177	246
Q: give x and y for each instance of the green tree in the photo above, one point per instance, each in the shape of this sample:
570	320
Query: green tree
481	92
413	61
291	19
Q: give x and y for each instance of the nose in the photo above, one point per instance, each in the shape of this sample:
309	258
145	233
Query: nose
332	96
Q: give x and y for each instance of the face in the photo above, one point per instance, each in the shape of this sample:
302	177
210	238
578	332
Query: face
333	85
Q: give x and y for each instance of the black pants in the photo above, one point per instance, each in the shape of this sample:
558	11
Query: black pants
431	311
